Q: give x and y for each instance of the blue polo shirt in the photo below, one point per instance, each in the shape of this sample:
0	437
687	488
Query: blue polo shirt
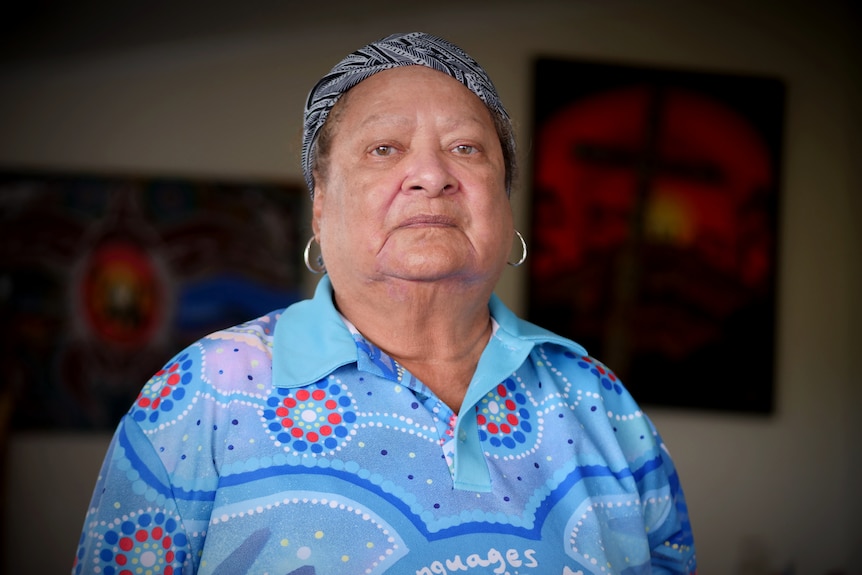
292	445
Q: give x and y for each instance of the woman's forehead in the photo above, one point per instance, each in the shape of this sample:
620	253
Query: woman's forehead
394	96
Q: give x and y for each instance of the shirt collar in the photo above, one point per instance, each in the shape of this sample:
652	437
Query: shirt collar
311	341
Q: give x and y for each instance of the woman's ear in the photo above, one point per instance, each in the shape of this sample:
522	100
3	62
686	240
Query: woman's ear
317	207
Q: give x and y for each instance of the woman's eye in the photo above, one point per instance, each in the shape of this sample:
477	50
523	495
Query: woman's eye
382	151
465	149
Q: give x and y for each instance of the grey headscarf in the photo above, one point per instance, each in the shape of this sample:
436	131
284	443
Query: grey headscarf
413	49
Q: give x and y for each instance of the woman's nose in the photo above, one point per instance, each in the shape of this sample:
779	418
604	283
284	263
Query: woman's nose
429	172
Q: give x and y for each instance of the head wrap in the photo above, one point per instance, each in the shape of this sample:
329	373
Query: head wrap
413	49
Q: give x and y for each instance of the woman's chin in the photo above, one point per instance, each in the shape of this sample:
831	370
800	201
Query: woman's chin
428	265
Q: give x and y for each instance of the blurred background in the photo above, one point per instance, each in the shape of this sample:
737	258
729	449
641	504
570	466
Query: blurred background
156	102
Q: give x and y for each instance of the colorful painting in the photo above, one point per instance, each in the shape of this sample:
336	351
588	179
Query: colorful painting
654	226
103	279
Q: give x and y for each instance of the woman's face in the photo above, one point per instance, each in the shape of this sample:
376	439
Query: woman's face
413	187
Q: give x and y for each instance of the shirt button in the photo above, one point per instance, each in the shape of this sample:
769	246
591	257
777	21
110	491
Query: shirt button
462	435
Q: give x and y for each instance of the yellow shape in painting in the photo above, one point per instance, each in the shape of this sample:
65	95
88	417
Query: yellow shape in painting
668	220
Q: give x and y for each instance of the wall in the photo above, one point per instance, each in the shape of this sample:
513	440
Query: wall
785	486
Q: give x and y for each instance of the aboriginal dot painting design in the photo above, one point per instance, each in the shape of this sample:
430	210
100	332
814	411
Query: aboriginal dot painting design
159	398
504	419
312	419
147	542
606	376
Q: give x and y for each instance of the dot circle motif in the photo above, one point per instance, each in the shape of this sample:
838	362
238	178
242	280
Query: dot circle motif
311	419
607	377
503	416
164	390
151	541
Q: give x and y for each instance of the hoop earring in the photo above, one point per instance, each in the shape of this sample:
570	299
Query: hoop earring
523	251
321	268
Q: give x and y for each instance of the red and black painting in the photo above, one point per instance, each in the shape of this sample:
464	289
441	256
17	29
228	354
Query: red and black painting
103	279
654	226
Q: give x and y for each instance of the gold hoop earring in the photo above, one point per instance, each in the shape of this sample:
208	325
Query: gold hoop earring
523	251
321	268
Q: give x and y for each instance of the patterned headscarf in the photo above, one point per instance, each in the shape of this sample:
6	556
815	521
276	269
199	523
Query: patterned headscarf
413	49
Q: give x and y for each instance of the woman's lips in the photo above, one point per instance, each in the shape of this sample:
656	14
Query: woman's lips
427	220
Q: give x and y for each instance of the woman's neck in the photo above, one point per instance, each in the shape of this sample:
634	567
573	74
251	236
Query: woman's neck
436	334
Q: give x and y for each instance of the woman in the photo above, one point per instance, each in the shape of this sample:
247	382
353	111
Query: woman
403	420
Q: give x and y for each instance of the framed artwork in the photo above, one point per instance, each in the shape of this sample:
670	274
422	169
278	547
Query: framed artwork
104	278
654	226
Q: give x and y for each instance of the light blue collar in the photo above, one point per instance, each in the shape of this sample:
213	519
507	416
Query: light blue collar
311	341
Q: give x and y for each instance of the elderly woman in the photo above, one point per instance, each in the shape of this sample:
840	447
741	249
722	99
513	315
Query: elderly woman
403	420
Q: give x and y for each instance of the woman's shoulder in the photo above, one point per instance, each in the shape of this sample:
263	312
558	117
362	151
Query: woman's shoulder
586	371
234	363
239	357
256	333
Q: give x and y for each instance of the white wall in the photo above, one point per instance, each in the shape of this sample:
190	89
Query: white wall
786	485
